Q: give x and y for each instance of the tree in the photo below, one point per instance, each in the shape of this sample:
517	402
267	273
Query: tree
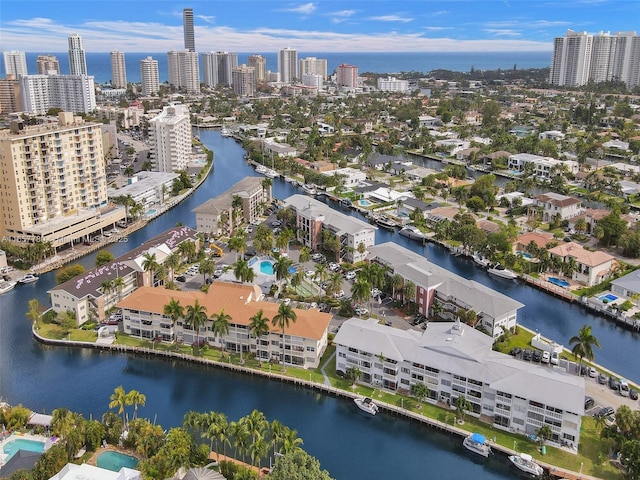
285	315
544	433
103	257
630	457
583	343
282	269
67	273
172	262
462	406
420	391
221	322
136	398
243	271
298	465
409	291
361	291
196	317
305	255
334	283
353	373
174	310
34	312
119	399
150	264
259	327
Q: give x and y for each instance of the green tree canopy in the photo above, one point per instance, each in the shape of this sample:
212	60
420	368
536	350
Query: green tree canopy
298	465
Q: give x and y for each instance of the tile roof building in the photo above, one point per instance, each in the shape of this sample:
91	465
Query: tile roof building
591	268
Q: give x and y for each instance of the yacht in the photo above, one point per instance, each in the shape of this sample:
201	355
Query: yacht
366	405
413	233
476	443
271	173
309	189
481	260
28	278
499	271
386	222
524	462
5	286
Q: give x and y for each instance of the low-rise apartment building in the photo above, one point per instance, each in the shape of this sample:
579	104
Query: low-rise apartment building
303	342
313	217
454	360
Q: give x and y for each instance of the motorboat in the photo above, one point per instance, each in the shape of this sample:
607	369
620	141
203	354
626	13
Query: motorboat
481	260
366	405
5	286
499	271
261	169
525	463
28	278
413	233
309	189
477	443
271	173
386	222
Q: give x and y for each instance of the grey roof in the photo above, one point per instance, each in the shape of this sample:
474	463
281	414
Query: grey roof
223	201
420	271
629	282
419	204
459	349
338	222
21	460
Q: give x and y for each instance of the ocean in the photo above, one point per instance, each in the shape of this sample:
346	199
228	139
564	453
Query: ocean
99	64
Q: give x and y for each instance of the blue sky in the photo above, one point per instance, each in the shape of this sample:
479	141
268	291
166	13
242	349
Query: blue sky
318	26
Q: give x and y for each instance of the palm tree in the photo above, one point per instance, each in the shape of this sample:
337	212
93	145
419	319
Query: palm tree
172	262
173	310
259	327
119	399
136	398
150	264
462	406
118	284
396	282
361	291
207	267
353	374
409	291
238	243
285	315
223	223
34	313
220	329
583	344
241	436
334	283
196	317
320	274
243	271
305	255
291	441
107	288
544	433
281	269
420	391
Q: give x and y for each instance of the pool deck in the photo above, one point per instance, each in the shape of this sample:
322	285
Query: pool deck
93	459
20	436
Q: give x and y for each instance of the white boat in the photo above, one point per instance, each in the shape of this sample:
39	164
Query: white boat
386	222
481	260
261	169
6	286
413	233
499	271
28	278
476	443
224	132
366	405
271	173
309	189
525	463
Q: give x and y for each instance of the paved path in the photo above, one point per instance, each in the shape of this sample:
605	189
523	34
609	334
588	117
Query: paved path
324	374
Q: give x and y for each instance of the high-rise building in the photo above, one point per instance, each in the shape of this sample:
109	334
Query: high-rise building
579	57
10	98
170	139
118	70
15	63
312	80
53	185
288	65
184	70
347	76
187	25
149	76
77	59
244	81
71	93
317	66
259	63
47	64
217	68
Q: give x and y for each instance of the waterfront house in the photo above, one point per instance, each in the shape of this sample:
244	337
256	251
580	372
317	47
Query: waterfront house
540	239
542	167
351	177
496	312
455	360
305	340
591	268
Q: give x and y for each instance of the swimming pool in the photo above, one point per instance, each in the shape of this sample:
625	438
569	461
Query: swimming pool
266	268
151	212
22	444
364	203
524	255
609	297
114	461
558	281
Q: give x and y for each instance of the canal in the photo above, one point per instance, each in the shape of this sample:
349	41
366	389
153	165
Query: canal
349	445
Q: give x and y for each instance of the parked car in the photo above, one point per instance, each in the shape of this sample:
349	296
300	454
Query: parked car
181	278
276	223
546	357
555	358
537	355
593	373
589	402
515	351
623	387
602	379
613	383
350	275
605	412
633	394
527	355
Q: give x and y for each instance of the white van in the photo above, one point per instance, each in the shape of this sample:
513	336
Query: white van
623	387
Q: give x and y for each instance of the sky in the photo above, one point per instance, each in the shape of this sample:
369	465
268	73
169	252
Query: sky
315	26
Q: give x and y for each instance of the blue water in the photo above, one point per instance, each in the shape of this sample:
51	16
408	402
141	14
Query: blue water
99	64
22	444
609	297
266	267
348	445
114	461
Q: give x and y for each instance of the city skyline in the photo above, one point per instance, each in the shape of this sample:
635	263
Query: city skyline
353	25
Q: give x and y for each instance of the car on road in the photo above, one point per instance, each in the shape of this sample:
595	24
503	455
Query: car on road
350	275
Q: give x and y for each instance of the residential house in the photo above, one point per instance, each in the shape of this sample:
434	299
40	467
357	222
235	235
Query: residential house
554	135
540	239
303	342
351	176
591	267
467	154
558	205
542	167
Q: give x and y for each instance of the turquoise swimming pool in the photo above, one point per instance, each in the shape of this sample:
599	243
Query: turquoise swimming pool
114	461
266	268
22	444
609	297
364	203
558	281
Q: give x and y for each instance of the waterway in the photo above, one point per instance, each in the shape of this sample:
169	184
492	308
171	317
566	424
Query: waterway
349	445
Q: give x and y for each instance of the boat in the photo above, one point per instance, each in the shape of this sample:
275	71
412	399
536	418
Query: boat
481	260
524	462
224	132
366	405
386	222
28	278
412	232
476	443
6	286
499	271
271	173
261	169
309	189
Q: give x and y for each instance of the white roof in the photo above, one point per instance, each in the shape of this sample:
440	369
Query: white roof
85	471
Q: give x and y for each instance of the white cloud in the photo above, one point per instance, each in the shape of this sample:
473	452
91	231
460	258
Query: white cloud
437	29
502	32
391	18
207	18
306	9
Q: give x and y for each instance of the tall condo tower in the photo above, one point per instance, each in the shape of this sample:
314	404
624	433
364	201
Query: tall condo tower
288	65
77	59
48	63
187	24
347	76
217	68
149	76
184	70
170	138
15	63
244	81
259	63
118	70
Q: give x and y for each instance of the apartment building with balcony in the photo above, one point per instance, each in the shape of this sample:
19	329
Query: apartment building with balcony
454	360
303	342
313	217
170	138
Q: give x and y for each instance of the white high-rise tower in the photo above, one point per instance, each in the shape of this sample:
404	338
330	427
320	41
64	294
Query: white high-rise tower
149	76
15	63
118	70
288	65
77	59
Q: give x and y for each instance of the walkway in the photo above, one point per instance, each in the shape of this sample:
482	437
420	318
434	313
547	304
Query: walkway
324	374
